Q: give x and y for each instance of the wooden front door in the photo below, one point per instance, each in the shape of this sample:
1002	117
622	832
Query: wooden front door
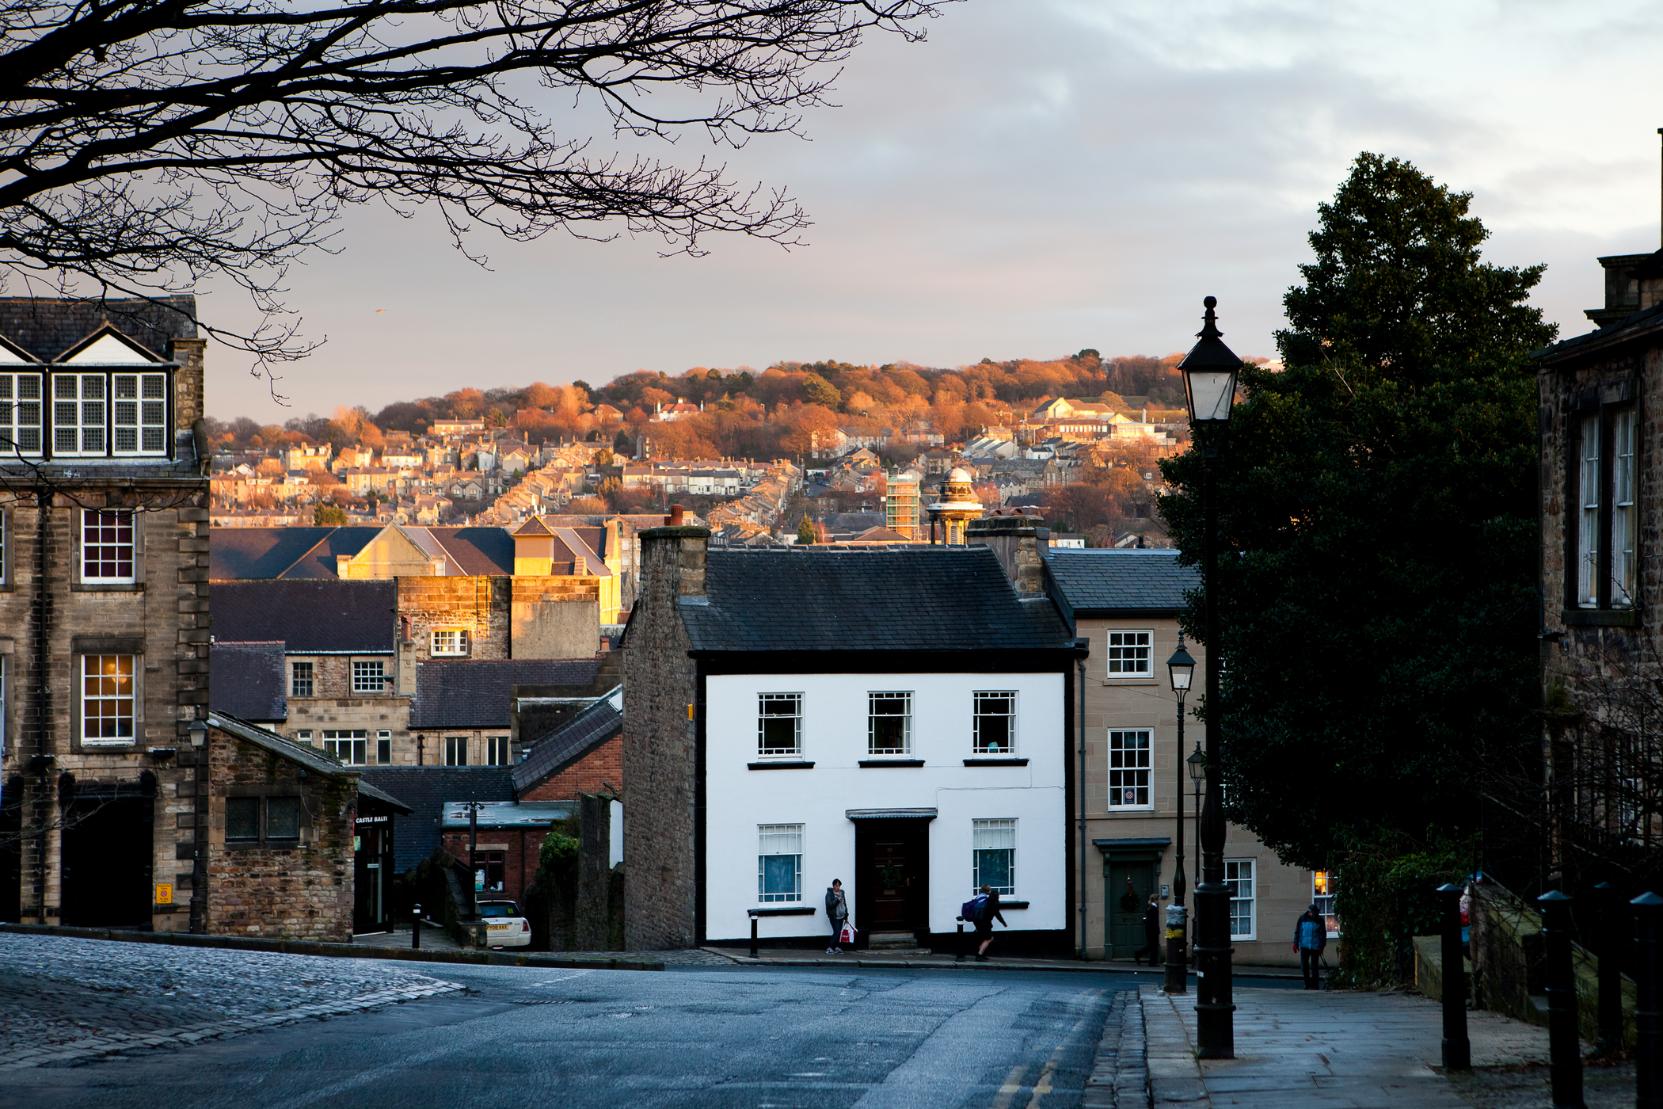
107	856
892	879
1128	884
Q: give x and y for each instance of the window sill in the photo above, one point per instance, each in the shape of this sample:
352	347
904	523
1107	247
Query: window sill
996	760
793	910
106	587
1601	617
906	763
781	764
1003	904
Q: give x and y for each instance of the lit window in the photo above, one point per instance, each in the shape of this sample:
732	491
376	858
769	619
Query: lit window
995	725
108	706
993	856
78	414
449	643
1238	876
369	677
1130	769
140	410
1324	888
1131	654
351	747
889	723
496	750
779	724
456	750
20	414
108	550
779	864
300	679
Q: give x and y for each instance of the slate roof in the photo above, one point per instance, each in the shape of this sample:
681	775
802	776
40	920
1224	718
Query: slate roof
555	750
290	553
1647	322
950	599
47	327
505	814
425	789
245	680
479	693
307	616
1109	581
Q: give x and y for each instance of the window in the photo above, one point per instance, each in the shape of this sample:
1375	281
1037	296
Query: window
300	679
995	724
993	855
304	737
496	750
283	818
1601	537
779	862
490	867
1324	887
1131	654
1130	769
242	820
351	747
1238	876
779	724
20	414
383	747
108	705
449	643
5	547
456	750
889	723
140	410
78	414
108	551
281	827
369	677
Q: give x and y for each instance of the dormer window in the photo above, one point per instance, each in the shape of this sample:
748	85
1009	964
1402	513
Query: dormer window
20	413
78	413
140	413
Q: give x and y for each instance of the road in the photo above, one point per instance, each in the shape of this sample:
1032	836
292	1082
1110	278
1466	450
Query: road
688	1037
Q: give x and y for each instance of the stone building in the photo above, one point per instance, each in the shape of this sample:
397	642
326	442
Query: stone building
463	711
103	611
954	508
1601	484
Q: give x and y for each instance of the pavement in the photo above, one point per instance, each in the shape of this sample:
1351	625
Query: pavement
919	959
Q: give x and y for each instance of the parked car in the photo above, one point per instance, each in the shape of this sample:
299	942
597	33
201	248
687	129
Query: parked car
505	925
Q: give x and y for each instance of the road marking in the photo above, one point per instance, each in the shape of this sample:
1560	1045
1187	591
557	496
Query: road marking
1042	1085
1012	1087
562	978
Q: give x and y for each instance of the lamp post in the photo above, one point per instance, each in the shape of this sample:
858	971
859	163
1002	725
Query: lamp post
1181	669
1197	764
1209	372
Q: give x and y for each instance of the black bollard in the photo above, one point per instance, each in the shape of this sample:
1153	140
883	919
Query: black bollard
1648	1019
753	935
416	927
1613	933
1564	1048
1457	1047
958	945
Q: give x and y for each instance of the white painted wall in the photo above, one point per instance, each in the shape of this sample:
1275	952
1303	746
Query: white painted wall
834	737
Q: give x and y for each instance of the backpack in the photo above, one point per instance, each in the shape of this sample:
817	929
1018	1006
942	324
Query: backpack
972	910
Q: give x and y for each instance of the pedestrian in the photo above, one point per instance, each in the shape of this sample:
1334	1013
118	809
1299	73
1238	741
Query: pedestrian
1310	936
837	910
984	922
1151	932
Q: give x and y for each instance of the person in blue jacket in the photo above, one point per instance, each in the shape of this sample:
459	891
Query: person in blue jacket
1310	936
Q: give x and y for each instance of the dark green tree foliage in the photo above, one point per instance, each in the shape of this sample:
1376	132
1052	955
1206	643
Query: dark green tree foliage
1378	517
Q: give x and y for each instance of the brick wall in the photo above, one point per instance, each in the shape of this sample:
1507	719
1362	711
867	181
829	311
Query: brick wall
522	848
659	764
600	771
298	891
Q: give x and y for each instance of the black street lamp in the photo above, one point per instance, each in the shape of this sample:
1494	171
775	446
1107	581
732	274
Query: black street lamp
1197	763
1181	668
1210	371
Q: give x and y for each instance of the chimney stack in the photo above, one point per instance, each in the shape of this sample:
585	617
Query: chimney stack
1019	542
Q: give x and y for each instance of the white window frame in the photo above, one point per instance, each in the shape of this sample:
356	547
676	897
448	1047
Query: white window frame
873	716
449	643
82	427
14	421
1240	873
350	745
987	834
1325	887
770	838
1588	501
1134	773
5	546
982	708
304	736
498	750
793	701
363	676
1624	430
91	670
99	542
147	414
1130	653
454	745
383	748
295	679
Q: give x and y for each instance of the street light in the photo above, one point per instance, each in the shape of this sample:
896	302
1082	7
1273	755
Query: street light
1181	669
1209	372
1197	763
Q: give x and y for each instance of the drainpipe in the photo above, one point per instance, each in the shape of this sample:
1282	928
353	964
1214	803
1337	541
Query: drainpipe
1080	790
43	693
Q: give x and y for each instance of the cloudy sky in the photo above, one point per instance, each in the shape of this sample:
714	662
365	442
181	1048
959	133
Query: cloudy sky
1039	176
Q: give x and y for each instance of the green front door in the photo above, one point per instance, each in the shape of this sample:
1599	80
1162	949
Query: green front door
1127	886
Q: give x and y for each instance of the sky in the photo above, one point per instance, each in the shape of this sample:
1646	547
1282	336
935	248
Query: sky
1037	177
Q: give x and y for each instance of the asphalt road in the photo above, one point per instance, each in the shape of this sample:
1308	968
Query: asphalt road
551	1037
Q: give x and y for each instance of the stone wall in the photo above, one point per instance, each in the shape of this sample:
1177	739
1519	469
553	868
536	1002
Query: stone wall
554	617
598	924
478	605
295	890
660	882
599	771
429	744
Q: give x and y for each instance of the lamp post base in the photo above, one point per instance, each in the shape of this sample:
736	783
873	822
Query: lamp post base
1177	972
1215	1011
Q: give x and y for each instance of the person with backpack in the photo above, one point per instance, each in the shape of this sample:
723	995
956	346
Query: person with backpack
837	910
986	913
1310	936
